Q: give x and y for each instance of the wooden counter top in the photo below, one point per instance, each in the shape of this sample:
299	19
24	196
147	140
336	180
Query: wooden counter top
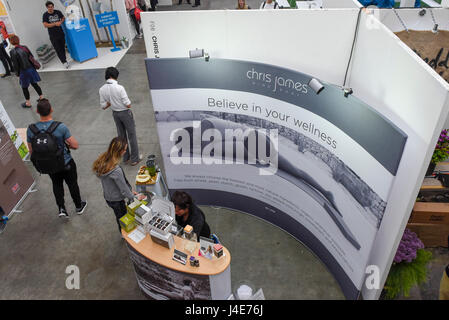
163	256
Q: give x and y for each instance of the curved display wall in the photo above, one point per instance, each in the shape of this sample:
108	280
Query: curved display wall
257	138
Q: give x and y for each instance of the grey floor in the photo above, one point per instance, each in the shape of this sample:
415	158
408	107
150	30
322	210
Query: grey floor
37	246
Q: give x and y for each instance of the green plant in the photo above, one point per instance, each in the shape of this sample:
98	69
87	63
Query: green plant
409	267
441	151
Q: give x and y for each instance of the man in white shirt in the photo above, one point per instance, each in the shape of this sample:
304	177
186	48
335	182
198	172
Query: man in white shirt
269	4
114	96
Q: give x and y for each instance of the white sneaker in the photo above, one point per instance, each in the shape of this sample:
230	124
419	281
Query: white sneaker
66	65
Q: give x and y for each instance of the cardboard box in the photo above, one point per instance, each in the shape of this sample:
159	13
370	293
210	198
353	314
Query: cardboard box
127	222
142	210
432	235
430	212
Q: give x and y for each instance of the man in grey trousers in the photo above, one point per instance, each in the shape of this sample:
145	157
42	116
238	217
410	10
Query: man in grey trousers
114	95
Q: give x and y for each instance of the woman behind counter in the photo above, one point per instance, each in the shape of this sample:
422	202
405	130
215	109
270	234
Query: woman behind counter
116	187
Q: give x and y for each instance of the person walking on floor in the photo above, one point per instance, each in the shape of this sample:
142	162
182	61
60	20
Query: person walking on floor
131	8
4	57
114	96
49	142
52	20
269	4
116	188
20	57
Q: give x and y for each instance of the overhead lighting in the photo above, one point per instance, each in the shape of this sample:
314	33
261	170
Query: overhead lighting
316	85
347	91
198	53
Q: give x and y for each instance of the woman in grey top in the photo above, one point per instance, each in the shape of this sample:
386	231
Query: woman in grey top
116	187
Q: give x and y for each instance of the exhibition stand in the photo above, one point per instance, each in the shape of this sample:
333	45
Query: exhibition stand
26	21
79	40
347	164
160	277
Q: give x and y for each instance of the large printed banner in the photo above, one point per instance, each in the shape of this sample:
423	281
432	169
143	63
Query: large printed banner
256	138
15	137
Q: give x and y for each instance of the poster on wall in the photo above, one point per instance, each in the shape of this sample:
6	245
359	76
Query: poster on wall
15	179
256	138
15	137
5	18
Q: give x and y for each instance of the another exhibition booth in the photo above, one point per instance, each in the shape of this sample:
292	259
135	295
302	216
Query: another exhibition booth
333	131
89	43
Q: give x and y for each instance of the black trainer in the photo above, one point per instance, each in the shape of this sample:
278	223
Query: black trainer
63	213
81	209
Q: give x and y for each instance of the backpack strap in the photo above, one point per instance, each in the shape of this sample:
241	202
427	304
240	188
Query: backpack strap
34	129
53	127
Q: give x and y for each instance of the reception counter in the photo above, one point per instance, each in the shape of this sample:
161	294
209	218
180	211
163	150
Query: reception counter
161	278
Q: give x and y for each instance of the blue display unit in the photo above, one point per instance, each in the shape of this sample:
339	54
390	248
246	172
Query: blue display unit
79	39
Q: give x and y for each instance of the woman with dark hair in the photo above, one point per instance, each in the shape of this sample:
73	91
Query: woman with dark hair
20	57
116	187
187	213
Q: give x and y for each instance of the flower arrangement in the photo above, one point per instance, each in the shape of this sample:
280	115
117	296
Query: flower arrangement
441	151
409	266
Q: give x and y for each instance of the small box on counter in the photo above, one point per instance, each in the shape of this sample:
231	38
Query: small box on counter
142	210
132	207
165	240
188	231
218	250
127	222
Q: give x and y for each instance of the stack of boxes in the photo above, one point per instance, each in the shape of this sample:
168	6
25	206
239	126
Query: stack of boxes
129	222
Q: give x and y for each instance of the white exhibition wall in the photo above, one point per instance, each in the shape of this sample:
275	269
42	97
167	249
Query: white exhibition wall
413	20
243	35
387	75
329	4
26	17
384	73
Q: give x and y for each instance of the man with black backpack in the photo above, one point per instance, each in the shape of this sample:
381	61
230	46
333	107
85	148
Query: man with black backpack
49	143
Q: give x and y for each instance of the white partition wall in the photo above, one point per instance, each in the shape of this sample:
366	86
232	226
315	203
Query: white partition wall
307	40
387	74
329	4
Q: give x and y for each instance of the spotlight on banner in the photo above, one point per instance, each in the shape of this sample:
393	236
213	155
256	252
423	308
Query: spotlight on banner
347	91
198	53
316	85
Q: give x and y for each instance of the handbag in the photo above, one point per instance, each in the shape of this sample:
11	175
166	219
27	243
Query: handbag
137	11
33	61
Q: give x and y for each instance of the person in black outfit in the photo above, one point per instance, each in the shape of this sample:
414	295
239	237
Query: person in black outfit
24	70
52	20
187	213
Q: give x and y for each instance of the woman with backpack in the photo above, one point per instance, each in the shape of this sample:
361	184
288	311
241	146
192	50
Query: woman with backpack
24	69
116	187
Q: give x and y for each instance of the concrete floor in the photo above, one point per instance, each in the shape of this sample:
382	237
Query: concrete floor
37	246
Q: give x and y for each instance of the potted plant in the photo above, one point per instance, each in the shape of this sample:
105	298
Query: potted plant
124	42
440	153
409	266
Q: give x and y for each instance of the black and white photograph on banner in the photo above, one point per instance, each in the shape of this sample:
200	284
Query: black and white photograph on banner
160	283
259	132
